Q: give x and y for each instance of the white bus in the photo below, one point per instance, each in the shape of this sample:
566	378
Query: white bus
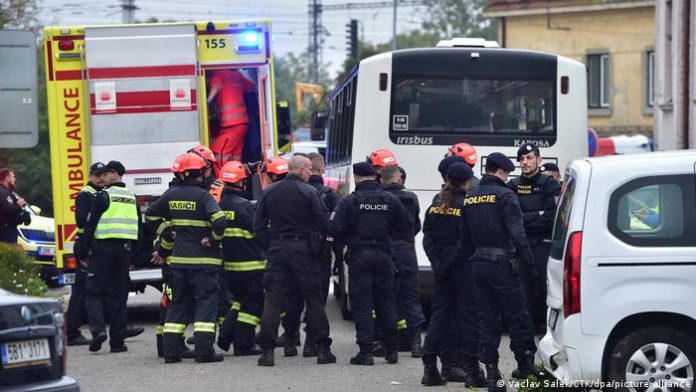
418	102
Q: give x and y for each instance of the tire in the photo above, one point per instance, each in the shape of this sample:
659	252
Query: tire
668	372
345	312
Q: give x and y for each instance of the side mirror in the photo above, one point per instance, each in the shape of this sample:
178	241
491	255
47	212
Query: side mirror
317	129
283	114
36	209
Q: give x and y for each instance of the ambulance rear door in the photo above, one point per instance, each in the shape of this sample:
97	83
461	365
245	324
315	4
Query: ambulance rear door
143	106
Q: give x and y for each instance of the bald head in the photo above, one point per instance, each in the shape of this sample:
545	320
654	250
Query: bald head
300	166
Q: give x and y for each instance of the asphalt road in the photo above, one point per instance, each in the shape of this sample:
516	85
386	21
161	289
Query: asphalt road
139	369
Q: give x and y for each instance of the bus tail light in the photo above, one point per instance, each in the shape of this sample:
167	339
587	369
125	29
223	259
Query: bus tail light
66	45
565	85
383	81
70	263
571	274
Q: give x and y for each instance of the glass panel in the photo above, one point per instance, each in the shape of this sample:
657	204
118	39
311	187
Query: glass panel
560	227
641	212
605	78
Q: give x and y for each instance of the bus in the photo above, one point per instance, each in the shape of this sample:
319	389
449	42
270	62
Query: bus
419	102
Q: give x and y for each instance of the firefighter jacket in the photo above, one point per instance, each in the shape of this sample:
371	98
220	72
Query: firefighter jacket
241	251
193	215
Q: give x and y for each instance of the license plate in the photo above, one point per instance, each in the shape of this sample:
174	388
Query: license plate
25	353
69	278
46	251
553	318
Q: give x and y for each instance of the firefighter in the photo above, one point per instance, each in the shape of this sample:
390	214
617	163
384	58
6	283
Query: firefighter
244	262
380	158
537	193
453	305
12	208
275	168
367	220
209	176
470	156
113	223
491	225
287	213
194	259
77	306
408	307
227	88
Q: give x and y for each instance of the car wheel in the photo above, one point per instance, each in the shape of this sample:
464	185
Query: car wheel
653	359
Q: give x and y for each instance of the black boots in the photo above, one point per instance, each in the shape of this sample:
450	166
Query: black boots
431	376
267	358
324	354
392	354
289	349
525	365
295	339
160	346
309	350
214	357
494	380
416	346
253	350
363	358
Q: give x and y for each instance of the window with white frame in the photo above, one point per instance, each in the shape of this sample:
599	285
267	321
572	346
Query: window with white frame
598	80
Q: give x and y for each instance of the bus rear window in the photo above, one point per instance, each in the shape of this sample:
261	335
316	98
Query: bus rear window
560	227
474	107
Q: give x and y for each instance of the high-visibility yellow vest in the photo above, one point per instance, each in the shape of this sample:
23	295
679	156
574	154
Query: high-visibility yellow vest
120	220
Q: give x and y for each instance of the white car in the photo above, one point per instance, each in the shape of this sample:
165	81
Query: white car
622	274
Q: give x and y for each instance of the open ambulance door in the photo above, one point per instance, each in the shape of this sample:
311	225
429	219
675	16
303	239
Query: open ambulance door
143	99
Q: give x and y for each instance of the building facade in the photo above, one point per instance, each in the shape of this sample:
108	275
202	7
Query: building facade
615	39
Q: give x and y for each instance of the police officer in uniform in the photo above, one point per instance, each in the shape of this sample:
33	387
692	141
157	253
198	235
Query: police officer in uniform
491	225
113	223
12	208
77	306
244	262
368	220
194	259
453	304
409	312
537	194
286	215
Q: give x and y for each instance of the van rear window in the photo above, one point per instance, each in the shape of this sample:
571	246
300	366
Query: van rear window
560	227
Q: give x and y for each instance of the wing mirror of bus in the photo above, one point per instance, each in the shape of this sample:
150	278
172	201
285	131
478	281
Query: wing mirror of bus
317	129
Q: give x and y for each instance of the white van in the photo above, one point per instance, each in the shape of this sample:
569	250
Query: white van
622	273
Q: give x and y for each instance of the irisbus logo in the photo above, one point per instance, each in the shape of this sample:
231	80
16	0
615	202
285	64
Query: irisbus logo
414	140
538	143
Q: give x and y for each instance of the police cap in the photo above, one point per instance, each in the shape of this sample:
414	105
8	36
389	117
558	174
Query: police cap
97	168
447	162
460	171
501	161
549	167
526	149
363	169
116	166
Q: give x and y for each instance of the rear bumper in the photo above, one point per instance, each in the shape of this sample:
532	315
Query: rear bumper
65	384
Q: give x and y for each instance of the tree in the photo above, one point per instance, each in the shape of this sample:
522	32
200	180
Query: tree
19	14
458	18
291	69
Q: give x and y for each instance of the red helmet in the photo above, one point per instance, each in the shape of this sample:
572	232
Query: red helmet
382	157
204	152
176	166
275	165
233	172
191	161
464	150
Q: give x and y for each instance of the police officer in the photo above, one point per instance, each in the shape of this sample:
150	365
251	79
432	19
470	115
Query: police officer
453	304
111	235
244	262
286	215
12	208
537	194
408	308
368	220
194	259
77	305
551	169
491	226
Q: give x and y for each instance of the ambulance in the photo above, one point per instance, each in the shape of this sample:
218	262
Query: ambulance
138	94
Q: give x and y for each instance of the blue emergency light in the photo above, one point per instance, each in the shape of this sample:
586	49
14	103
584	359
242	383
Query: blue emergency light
250	37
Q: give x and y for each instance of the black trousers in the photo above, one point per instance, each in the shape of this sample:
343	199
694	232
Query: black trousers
371	286
107	288
194	290
454	325
291	262
409	311
8	233
244	315
535	288
77	305
498	292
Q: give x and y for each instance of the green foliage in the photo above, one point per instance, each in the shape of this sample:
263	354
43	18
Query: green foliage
18	274
19	15
291	69
458	18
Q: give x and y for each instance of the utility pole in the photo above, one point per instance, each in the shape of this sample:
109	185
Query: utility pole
396	4
314	48
128	11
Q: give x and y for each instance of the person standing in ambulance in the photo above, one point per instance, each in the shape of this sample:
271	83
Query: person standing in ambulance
227	88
